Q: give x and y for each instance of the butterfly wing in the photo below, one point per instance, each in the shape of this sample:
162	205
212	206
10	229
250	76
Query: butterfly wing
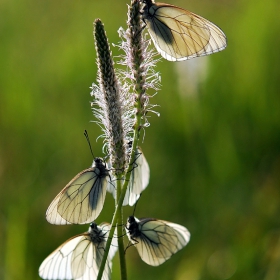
130	197
179	34
140	175
80	257
159	240
139	180
86	260
53	216
182	233
57	265
88	254
81	201
105	227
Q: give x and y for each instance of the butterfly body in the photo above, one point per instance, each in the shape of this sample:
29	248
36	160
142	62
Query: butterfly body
179	34
96	234
133	228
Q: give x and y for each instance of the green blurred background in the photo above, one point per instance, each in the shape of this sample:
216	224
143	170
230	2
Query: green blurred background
214	153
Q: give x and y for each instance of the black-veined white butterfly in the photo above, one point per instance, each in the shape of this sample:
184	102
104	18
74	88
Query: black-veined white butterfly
156	240
80	257
179	34
139	180
82	200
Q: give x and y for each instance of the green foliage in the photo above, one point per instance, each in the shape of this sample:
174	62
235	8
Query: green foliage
214	154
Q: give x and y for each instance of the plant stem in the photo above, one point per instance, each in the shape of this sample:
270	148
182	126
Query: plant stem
136	48
120	233
118	208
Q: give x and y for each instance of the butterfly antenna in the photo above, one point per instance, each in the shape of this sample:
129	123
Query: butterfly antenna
87	137
136	205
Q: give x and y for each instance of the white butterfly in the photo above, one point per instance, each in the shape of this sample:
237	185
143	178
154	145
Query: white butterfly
80	257
156	240
139	180
179	34
82	200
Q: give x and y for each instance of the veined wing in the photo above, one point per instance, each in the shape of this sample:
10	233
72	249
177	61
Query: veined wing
179	34
58	264
156	240
139	180
140	175
82	200
80	257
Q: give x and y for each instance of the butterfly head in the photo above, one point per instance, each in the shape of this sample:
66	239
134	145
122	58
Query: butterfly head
133	227
96	234
98	162
102	169
147	2
131	220
92	226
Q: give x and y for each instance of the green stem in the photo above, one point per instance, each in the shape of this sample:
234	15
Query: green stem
120	233
118	209
135	29
121	247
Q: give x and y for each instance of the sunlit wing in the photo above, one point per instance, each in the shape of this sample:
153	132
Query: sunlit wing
156	240
80	257
182	233
52	215
114	244
82	200
58	264
179	34
140	175
139	180
86	261
130	197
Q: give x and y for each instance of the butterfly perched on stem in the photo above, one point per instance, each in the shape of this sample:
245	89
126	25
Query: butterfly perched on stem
139	179
156	240
82	199
80	257
179	34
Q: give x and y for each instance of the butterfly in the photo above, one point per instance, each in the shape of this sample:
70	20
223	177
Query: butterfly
139	179
82	199
80	257
179	34
156	240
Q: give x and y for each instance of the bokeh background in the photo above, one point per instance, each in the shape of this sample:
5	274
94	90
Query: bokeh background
214	152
